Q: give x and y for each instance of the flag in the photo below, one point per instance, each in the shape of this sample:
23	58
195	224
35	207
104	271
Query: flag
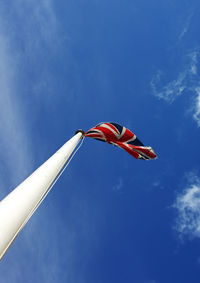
120	136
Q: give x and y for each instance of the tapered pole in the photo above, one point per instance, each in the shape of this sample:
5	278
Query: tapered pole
17	207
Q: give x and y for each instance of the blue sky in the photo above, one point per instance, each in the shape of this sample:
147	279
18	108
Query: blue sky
110	218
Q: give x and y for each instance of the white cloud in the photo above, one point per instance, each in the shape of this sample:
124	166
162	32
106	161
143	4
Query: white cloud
187	205
16	140
40	41
194	61
186	26
186	81
15	149
184	31
170	91
196	114
39	19
38	29
37	24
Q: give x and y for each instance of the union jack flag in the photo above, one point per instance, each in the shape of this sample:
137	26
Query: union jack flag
120	136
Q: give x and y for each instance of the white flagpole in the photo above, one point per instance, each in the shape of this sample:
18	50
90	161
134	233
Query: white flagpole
18	206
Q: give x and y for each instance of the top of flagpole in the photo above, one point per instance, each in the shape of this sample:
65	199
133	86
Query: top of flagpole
80	131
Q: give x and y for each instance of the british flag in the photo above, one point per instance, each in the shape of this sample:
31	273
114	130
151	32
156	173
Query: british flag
120	136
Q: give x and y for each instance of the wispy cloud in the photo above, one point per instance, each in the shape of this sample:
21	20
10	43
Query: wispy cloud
36	23
187	206
186	26
18	50
15	146
186	81
196	110
39	19
194	56
170	91
38	28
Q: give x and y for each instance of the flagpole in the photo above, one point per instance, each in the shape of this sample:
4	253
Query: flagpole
19	205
